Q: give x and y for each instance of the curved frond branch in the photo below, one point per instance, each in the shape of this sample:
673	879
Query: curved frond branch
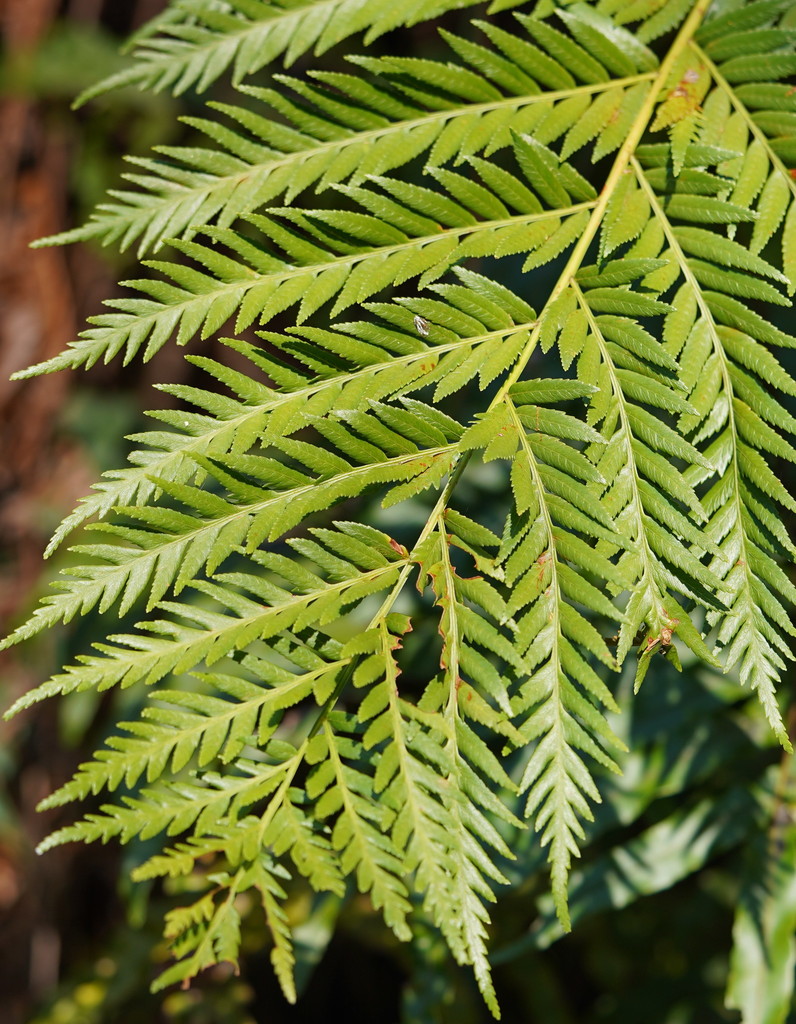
174	457
164	646
417	777
210	931
650	609
549	703
171	548
748	633
180	727
186	804
174	198
754	129
220	938
201	40
365	846
199	304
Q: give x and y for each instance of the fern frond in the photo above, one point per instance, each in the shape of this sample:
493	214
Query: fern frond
613	351
691	836
181	727
555	700
447	843
204	933
759	984
202	39
259	610
385	353
724	363
641	506
344	127
329	254
268	497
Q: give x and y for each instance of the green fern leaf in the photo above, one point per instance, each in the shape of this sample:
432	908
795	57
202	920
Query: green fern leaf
639	152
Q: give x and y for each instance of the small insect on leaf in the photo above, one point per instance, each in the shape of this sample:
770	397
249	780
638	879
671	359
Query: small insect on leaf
422	326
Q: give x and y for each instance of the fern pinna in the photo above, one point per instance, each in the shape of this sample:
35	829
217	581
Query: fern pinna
636	157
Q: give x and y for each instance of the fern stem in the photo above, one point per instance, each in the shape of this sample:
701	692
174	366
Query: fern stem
342	683
452	640
620	167
543	511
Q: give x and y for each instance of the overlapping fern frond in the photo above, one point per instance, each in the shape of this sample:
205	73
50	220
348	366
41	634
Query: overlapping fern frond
340	127
193	42
639	150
